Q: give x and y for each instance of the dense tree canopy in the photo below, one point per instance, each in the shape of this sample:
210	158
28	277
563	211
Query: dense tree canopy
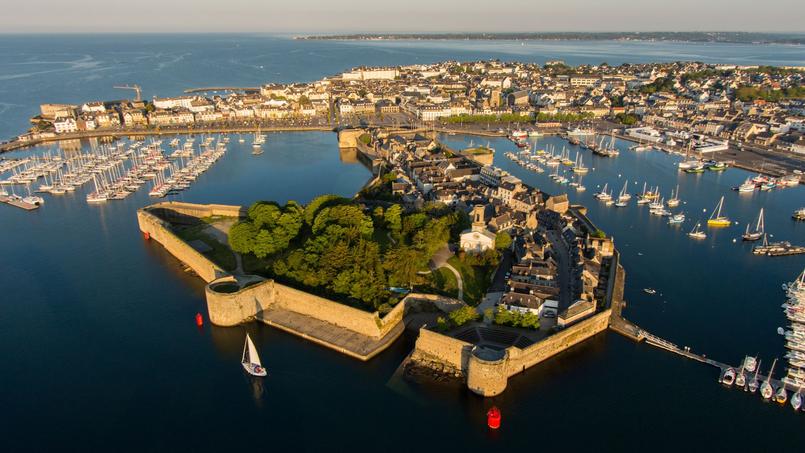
330	245
268	229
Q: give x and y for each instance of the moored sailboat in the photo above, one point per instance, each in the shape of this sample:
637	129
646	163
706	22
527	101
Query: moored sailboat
697	233
716	219
758	231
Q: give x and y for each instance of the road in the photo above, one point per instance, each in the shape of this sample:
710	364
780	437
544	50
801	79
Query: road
563	256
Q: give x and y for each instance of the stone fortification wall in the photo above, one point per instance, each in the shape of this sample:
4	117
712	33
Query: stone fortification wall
348	138
522	359
175	210
159	230
486	373
233	308
442	353
335	313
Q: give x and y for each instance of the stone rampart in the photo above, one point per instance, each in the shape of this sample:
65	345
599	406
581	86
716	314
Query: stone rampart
227	306
335	313
442	352
487	371
521	359
159	230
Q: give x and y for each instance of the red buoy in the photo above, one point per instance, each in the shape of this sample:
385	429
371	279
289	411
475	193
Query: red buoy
146	235
199	320
493	418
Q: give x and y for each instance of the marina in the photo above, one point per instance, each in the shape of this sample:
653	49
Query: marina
114	170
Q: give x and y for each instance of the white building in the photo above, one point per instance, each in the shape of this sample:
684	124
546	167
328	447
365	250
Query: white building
65	125
644	133
172	103
371	74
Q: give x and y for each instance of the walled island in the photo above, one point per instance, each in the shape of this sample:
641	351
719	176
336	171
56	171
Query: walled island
493	275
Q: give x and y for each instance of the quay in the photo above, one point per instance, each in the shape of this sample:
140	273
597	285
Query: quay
116	133
18	203
735	159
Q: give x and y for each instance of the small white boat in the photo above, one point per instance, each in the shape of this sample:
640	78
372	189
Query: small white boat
697	233
251	360
781	396
651	291
796	400
728	378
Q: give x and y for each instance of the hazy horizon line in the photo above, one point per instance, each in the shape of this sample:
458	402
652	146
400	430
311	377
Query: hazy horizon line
350	32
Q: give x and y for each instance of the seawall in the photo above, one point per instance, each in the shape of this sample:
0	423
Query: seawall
154	224
236	299
486	370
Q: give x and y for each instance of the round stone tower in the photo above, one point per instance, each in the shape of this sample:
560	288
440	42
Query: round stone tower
486	371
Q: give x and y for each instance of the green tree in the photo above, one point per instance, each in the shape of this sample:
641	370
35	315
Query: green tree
503	240
322	201
393	217
463	315
402	264
241	236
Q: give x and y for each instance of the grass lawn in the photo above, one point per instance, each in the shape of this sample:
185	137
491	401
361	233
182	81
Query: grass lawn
476	280
442	281
220	253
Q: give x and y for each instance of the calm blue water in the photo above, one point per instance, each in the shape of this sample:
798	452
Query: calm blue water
99	348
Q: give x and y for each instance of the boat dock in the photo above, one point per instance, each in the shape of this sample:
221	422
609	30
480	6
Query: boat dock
18	203
632	331
779	249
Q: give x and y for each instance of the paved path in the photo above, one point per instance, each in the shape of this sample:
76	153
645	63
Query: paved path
439	260
490	299
459	281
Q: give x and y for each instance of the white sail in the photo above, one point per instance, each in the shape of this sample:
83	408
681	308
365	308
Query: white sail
252	356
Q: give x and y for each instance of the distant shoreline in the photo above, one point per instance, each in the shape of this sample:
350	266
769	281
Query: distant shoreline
685	37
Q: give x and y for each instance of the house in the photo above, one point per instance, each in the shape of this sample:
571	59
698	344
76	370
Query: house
65	125
557	203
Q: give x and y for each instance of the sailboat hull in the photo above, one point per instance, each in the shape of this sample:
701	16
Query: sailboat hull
718	223
254	370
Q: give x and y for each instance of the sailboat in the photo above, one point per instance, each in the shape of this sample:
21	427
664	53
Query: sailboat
766	389
759	229
624	197
697	233
579	166
251	360
674	200
753	383
740	379
603	195
716	219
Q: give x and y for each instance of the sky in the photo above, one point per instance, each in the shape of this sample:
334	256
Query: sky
339	16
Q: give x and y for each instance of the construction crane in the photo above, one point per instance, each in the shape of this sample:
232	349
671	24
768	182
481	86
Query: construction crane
136	88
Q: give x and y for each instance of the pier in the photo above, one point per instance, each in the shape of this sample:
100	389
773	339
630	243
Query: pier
634	332
13	201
